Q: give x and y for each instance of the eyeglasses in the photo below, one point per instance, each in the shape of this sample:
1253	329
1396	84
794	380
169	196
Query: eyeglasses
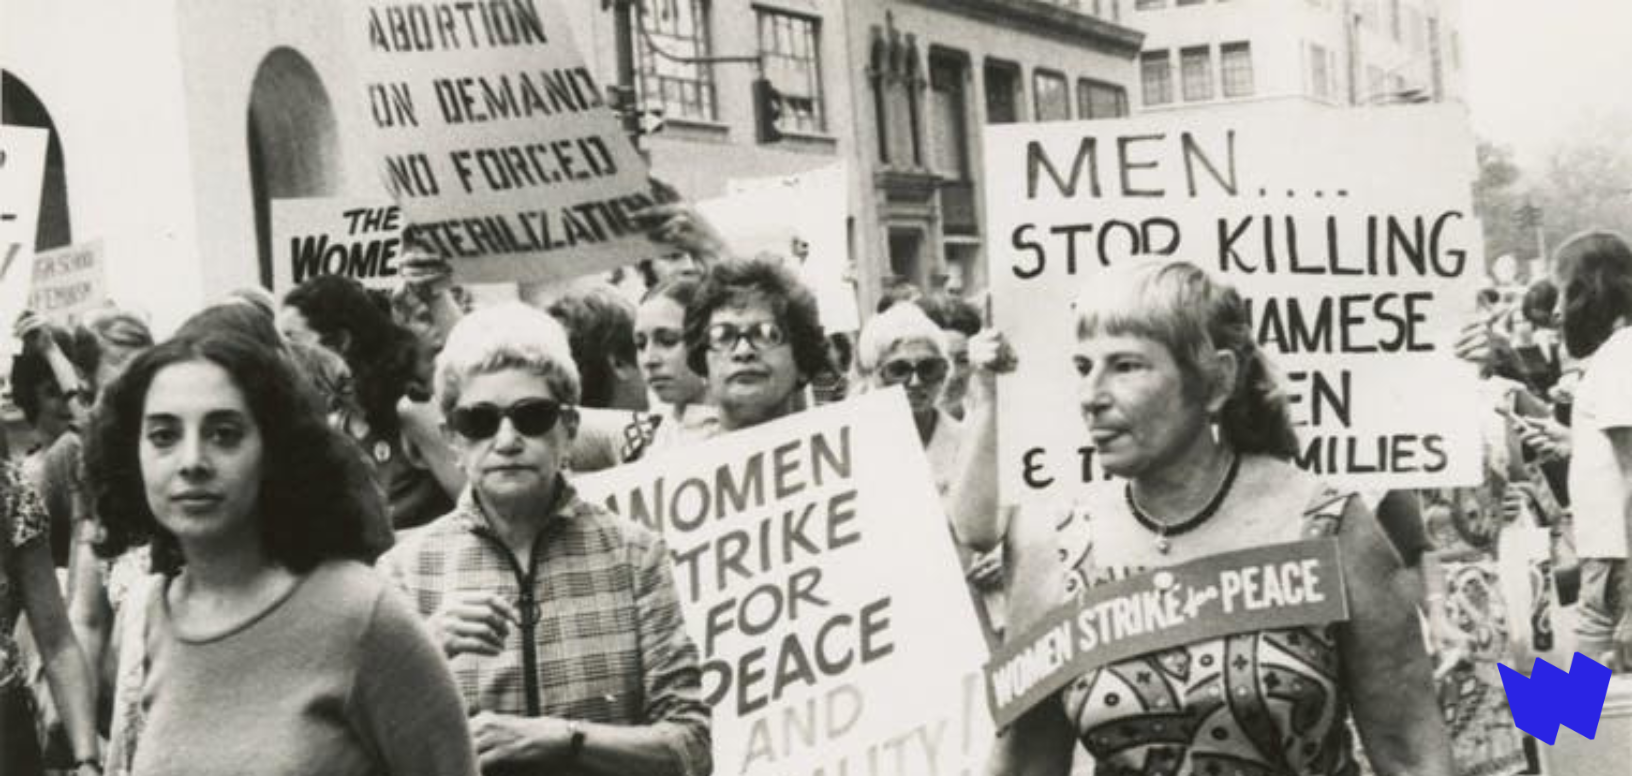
531	417
663	338
929	370
723	337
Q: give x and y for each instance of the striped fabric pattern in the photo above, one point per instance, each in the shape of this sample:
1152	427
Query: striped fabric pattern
607	635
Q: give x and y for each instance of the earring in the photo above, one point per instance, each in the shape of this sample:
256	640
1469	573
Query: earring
1212	428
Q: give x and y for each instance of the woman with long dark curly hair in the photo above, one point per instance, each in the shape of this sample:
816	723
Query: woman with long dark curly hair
211	450
337	313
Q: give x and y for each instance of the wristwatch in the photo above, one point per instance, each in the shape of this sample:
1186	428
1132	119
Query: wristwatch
575	742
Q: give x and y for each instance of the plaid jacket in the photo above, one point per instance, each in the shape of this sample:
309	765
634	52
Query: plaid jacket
602	638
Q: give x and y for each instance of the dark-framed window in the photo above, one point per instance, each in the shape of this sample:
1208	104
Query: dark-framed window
681	89
949	113
1002	91
791	47
1051	95
1156	77
1235	63
1196	72
1100	100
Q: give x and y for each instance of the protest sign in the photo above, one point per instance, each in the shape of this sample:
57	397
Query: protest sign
810	232
1278	586
22	175
358	238
1351	233
819	580
68	281
495	139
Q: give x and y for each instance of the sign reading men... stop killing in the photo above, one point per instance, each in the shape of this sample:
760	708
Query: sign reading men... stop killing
495	139
818	577
1351	233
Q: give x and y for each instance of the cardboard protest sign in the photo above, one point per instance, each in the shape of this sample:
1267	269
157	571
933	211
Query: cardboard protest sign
69	281
810	232
495	139
819	580
1278	586
1351	233
22	176
358	238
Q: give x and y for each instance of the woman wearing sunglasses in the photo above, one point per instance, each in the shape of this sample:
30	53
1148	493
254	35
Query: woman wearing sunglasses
902	346
269	646
755	334
560	620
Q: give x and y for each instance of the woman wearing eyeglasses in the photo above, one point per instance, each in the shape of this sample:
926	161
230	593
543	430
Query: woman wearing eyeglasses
755	334
560	620
660	340
270	648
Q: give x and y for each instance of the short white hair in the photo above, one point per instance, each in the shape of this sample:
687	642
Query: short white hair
510	335
901	323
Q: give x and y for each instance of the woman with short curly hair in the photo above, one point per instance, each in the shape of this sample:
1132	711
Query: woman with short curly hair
754	332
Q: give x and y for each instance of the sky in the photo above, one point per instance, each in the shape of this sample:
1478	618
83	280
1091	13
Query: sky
1535	66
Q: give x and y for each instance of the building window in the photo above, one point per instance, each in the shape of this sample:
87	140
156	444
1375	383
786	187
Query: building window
1320	72
1456	51
1189	2
1394	23
1196	73
791	49
1148	5
948	114
1100	100
1376	82
1236	61
1002	92
678	28
1052	97
1156	77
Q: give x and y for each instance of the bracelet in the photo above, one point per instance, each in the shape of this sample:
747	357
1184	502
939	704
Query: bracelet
91	761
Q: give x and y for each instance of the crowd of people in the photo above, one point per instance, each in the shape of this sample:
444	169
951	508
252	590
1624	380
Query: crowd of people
336	531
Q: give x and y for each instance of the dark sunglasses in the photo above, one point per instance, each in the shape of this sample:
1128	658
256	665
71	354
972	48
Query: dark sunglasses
929	370
531	417
723	337
663	338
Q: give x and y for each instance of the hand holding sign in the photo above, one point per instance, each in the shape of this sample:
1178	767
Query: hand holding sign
34	331
680	226
990	355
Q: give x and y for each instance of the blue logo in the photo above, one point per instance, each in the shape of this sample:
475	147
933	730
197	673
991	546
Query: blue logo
1549	697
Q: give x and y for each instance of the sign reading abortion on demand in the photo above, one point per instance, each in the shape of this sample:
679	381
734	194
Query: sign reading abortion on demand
1279	586
1351	234
818	576
495	139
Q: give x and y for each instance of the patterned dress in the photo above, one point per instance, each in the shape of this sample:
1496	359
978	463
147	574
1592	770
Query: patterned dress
1260	703
22	521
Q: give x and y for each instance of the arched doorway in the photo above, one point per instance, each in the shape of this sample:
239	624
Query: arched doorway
294	142
20	107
